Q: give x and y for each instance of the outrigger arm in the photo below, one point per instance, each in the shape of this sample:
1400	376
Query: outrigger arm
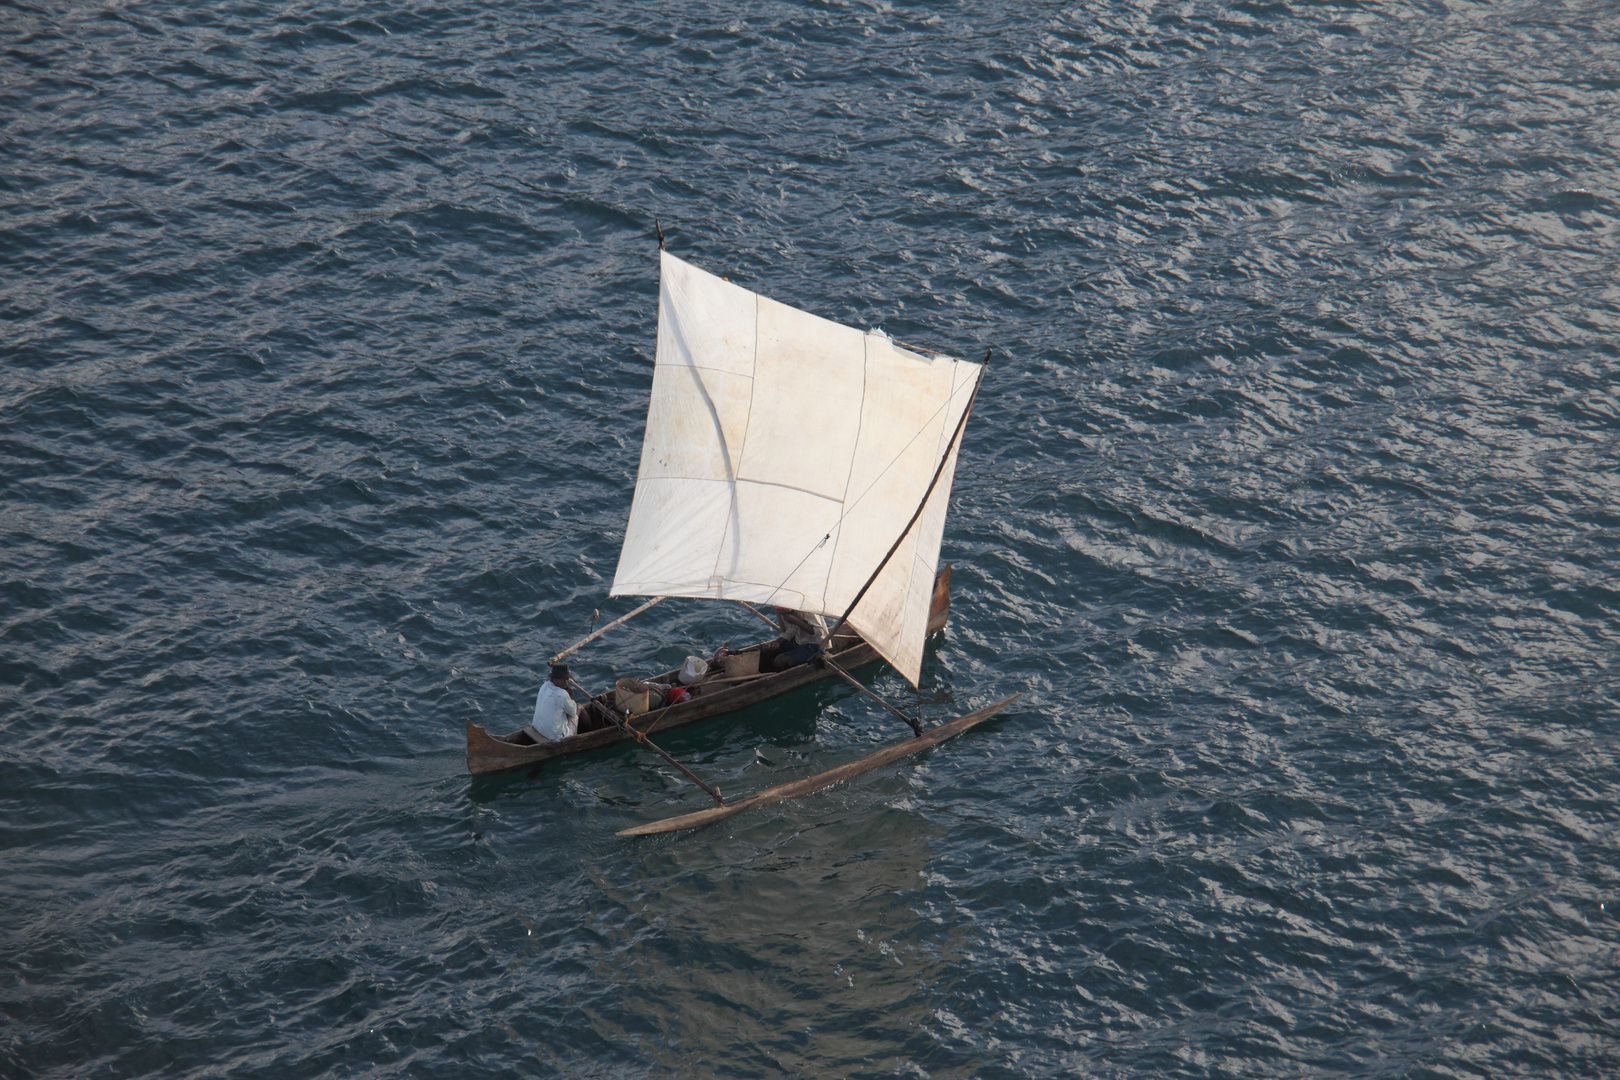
868	691
641	737
829	662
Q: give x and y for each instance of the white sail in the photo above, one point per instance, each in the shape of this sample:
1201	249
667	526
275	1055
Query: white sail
784	455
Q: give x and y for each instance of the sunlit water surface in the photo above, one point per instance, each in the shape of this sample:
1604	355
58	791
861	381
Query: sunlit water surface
1290	504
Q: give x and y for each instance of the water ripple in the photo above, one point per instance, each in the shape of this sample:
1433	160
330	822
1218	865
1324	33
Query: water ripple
1290	505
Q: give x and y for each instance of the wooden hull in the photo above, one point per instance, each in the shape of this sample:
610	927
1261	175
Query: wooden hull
488	754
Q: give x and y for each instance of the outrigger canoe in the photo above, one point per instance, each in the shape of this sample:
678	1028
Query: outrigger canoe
488	753
792	461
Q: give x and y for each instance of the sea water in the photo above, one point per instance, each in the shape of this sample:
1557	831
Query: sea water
1290	505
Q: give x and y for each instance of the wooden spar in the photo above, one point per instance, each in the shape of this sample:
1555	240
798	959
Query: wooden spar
706	681
620	621
867	690
960	425
873	694
815	783
762	616
641	737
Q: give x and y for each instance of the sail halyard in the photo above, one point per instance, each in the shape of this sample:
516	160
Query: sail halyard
783	455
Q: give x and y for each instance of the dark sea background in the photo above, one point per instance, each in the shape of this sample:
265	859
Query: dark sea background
1291	505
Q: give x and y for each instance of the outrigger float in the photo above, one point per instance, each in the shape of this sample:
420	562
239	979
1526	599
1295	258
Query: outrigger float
791	461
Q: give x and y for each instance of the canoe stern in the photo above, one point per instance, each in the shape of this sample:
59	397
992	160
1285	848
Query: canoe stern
487	754
939	608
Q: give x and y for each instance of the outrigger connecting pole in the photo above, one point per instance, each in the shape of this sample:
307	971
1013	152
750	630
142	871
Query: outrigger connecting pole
628	728
620	621
641	737
869	692
830	662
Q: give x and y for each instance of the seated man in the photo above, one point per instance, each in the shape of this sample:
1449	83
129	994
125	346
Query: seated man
801	639
556	714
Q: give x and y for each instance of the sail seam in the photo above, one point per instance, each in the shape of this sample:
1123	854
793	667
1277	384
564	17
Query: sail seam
734	526
832	558
740	480
701	367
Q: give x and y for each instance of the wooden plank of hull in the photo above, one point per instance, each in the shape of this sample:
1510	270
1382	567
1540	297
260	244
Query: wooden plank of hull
810	784
487	754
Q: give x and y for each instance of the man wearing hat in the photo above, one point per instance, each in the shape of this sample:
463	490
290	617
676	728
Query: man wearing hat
556	715
801	639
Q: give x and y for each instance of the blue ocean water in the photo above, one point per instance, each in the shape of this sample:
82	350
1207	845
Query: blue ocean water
1291	505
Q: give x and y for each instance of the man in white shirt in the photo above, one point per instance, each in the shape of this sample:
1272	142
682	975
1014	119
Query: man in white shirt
556	714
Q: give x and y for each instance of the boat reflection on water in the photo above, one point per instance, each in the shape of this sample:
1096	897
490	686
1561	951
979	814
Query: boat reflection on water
792	945
804	937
